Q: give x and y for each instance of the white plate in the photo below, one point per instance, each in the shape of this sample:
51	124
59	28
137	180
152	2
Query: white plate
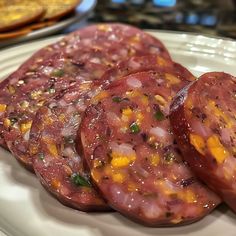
82	11
26	209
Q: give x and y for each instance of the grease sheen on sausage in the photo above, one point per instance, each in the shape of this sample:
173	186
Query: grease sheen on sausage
130	150
53	132
204	122
55	67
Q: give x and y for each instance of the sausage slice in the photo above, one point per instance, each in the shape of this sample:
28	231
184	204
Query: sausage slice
54	68
130	151
204	122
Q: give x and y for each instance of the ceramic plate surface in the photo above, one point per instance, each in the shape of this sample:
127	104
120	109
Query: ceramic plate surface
26	209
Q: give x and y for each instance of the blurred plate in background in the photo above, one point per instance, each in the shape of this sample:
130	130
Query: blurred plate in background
82	11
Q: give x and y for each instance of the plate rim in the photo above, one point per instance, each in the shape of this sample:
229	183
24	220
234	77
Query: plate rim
158	33
14	49
163	32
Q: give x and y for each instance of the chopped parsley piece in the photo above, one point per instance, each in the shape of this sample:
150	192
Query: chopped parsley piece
159	115
69	139
51	90
80	180
134	128
117	99
169	157
13	120
58	73
41	156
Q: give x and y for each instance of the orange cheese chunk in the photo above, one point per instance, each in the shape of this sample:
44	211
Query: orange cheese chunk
3	107
6	122
51	146
48	120
187	196
161	61
33	149
53	149
85	86
24	127
162	186
119	160
56	183
172	79
160	99
127	112
132	94
135	39
155	159
132	187
104	28
97	163
135	93
118	178
144	100
189	105
62	117
218	151
99	97
139	117
198	142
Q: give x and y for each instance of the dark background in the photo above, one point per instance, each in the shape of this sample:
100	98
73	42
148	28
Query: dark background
216	18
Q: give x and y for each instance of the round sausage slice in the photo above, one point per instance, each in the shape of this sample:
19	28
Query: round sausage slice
53	132
51	70
129	148
204	122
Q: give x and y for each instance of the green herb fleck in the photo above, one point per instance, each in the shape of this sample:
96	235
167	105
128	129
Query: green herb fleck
169	157
159	115
80	180
117	99
51	90
13	120
134	128
41	156
69	139
58	73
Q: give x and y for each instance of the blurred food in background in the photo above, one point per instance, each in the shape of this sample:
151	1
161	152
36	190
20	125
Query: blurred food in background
19	17
55	9
19	14
214	17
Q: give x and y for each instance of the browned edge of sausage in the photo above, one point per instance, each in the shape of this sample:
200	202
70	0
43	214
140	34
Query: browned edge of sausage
204	167
63	200
95	135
